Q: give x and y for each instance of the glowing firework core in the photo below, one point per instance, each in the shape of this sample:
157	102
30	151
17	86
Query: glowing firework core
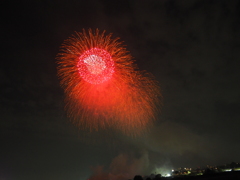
95	66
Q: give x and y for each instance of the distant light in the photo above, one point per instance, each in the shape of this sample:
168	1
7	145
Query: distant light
236	169
166	175
226	170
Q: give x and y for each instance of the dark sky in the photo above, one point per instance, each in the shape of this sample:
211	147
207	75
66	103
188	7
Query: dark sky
192	47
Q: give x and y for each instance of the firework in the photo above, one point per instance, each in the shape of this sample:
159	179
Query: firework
103	87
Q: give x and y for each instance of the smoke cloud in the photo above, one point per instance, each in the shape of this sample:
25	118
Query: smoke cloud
123	167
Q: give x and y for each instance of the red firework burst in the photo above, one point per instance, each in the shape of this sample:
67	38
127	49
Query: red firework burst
102	85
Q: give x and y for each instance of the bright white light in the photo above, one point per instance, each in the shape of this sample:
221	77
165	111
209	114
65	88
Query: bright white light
165	171
227	170
95	64
168	175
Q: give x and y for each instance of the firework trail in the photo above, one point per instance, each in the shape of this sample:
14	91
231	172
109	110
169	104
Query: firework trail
103	88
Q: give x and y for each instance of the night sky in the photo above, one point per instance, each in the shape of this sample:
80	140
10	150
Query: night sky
192	47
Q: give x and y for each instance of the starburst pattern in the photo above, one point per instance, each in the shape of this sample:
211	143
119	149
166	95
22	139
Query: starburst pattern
103	87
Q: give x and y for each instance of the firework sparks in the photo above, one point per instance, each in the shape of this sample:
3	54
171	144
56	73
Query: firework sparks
102	85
